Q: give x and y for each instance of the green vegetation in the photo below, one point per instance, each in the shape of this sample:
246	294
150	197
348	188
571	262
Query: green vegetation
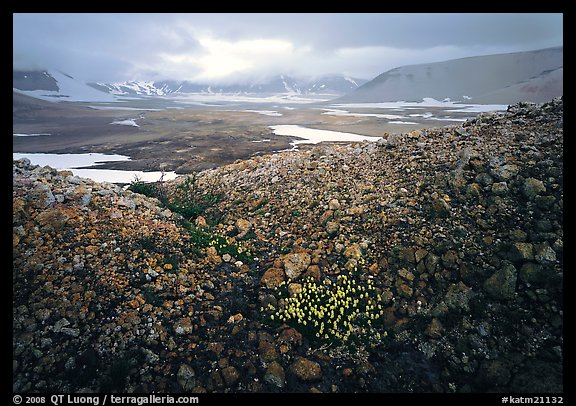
190	202
149	189
186	199
226	245
296	213
151	297
345	311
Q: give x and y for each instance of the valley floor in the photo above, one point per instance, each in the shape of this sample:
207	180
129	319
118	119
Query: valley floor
160	137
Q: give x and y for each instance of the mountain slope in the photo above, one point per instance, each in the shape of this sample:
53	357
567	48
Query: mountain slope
56	86
534	76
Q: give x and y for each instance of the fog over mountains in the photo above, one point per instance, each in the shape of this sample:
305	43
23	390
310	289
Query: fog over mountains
60	85
335	85
535	76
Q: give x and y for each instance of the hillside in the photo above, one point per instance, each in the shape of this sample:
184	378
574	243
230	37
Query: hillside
535	76
56	86
430	261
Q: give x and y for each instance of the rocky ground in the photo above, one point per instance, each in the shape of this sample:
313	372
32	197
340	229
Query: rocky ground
454	235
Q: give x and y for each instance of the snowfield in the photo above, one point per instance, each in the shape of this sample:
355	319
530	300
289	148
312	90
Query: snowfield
130	122
70	89
314	136
77	163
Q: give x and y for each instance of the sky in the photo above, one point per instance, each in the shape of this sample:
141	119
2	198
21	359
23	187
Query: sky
251	47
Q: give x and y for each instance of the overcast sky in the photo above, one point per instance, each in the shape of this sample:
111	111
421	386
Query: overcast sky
238	47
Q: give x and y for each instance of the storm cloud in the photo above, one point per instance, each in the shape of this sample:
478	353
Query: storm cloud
239	47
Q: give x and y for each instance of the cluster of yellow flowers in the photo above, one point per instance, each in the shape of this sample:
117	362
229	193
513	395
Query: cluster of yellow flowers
227	245
338	310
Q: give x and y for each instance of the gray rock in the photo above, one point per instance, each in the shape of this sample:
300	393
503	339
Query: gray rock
151	356
420	254
306	370
230	375
484	179
458	297
502	284
473	190
243	226
382	142
434	329
183	326
334	204
70	364
545	254
275	375
439	207
393	140
544	202
74	332
126	203
505	172
533	187
530	272
186	377
521	251
41	197
75	180
431	261
59	325
295	264
461	131
500	188
518	235
332	228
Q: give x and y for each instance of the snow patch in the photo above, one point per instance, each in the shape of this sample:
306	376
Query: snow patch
122	108
70	90
129	122
65	161
351	81
426	102
271	113
314	136
72	162
336	112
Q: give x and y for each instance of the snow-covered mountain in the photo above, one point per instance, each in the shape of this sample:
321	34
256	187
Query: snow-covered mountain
281	84
535	76
56	86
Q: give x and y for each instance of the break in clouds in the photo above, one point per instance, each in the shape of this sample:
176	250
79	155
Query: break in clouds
229	48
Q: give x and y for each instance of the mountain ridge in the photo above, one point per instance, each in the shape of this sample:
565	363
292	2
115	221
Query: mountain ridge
507	78
49	84
332	84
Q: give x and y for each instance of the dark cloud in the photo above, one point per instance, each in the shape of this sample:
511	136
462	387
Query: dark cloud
114	47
